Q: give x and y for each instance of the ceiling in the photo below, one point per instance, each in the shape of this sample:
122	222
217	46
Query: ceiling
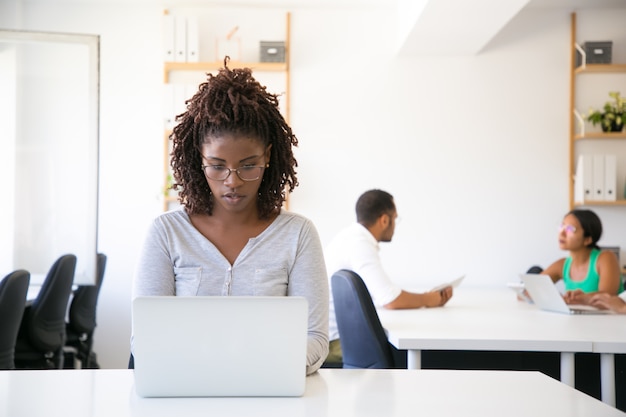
465	27
458	26
577	4
331	4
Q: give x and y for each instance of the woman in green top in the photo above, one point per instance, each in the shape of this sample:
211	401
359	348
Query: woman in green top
588	269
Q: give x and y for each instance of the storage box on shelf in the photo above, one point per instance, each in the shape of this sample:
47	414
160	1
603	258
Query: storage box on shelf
599	52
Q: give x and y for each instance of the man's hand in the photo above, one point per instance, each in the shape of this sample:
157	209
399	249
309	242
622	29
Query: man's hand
439	298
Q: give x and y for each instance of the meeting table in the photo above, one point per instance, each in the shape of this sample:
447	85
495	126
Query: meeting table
493	319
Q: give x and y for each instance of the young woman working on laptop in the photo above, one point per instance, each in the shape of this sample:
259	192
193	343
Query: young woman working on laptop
588	269
232	163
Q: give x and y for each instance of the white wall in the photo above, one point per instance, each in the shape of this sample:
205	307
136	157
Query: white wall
474	148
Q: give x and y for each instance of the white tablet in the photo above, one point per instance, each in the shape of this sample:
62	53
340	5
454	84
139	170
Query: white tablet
519	289
454	283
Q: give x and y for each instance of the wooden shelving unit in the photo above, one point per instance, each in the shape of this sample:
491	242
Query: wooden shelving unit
600	135
168	67
577	137
600	68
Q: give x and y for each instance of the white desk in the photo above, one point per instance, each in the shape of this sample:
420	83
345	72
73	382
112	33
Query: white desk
33	291
493	320
331	392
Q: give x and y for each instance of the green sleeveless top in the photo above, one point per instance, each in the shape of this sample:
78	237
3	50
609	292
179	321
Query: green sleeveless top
591	281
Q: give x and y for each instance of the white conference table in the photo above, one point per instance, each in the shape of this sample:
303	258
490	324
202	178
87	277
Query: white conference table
492	319
330	392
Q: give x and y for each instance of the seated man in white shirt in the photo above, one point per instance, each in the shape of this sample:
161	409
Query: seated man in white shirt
356	248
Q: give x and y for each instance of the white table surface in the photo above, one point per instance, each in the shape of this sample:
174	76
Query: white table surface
493	319
330	392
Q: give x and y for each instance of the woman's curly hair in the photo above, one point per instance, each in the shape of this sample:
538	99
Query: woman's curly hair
232	101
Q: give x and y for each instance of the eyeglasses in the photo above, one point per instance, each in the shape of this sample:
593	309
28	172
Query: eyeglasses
245	173
568	228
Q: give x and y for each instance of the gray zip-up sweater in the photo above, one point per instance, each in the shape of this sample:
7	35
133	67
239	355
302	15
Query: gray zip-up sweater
286	259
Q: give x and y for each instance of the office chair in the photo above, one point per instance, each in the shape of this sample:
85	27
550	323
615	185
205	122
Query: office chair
364	343
82	321
42	332
13	290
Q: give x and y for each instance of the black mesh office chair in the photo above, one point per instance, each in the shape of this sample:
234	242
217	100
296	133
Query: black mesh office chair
82	321
363	340
42	331
535	269
13	290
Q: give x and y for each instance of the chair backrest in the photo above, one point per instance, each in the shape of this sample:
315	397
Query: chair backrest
45	319
82	314
363	340
13	290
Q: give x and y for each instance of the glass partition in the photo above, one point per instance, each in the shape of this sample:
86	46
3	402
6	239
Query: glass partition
49	106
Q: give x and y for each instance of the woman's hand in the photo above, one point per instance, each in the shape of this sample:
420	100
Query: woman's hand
577	297
524	296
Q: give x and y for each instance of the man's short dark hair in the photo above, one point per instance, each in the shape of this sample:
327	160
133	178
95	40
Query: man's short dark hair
372	204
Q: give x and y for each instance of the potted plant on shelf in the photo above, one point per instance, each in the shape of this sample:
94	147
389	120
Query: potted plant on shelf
612	116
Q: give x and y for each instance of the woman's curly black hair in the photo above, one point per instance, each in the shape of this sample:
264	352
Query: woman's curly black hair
232	101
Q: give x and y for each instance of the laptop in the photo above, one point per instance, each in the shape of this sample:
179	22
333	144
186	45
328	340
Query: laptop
547	296
220	346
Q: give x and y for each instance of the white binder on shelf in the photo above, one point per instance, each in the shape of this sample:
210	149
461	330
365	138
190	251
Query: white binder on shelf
190	91
610	177
168	38
192	40
180	95
168	106
583	181
180	39
598	178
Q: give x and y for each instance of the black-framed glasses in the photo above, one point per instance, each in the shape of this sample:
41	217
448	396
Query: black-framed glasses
245	173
